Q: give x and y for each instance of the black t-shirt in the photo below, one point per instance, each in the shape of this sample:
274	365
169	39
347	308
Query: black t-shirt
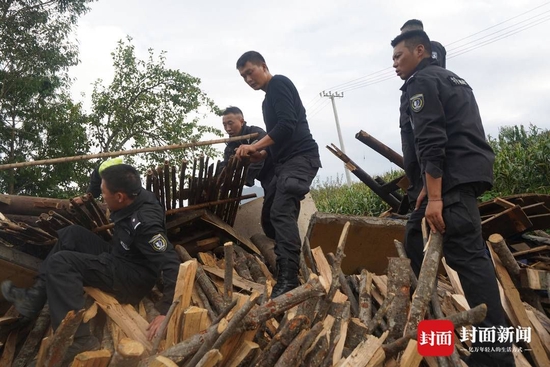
285	121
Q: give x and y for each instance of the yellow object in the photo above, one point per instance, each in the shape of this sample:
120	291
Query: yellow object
109	163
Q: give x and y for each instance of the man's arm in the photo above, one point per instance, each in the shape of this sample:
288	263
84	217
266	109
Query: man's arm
428	117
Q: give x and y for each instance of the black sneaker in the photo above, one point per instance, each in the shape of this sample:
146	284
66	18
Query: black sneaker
27	301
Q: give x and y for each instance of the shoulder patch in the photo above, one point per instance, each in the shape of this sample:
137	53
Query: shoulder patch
417	102
158	243
458	82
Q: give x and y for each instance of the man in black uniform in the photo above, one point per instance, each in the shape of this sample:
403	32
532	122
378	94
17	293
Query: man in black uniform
438	51
449	164
128	268
295	155
235	125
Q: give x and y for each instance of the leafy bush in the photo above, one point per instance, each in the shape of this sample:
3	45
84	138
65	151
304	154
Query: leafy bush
332	196
522	165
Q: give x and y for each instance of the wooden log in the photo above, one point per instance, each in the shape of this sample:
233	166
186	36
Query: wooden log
505	256
366	351
255	270
238	281
289	357
216	300
241	266
281	341
125	316
267	248
62	339
380	148
128	354
210	359
469	317
244	351
403	254
232	327
426	281
274	307
517	310
228	278
32	342
399	283
8	352
411	357
95	358
161	361
318	352
356	333
341	313
377	319
365	301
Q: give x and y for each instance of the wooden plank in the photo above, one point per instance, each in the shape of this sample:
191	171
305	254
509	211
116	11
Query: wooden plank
96	358
532	250
411	357
238	281
194	321
125	316
537	351
365	351
182	293
453	278
534	209
503	203
534	279
540	221
544	335
210	218
207	259
321	262
242	352
508	222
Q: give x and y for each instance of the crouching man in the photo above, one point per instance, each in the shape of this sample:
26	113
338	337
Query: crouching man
128	268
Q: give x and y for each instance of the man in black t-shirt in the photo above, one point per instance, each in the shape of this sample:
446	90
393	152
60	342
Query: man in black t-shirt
295	156
438	51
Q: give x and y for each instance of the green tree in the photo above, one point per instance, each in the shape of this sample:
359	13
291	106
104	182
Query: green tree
148	104
37	118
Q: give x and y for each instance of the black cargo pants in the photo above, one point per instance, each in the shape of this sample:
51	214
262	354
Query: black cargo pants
82	259
290	183
465	251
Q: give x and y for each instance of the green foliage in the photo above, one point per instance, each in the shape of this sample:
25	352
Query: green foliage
332	196
522	162
37	118
147	105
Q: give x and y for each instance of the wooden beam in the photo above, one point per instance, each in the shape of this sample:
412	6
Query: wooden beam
95	358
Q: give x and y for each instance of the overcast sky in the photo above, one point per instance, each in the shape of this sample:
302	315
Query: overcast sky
334	46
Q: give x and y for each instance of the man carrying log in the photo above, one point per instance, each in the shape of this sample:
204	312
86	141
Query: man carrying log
128	268
295	156
449	164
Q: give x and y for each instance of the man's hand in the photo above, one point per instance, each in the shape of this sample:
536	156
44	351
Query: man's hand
258	156
245	151
434	216
420	198
154	326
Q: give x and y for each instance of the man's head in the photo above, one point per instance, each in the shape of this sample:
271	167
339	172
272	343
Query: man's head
409	49
233	120
120	184
254	70
412	25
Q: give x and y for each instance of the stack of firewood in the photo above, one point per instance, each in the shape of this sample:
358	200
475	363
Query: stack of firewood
222	316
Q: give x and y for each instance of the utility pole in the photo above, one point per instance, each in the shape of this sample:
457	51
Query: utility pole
332	95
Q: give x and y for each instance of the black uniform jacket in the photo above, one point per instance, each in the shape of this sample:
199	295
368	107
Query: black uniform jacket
255	170
441	130
140	244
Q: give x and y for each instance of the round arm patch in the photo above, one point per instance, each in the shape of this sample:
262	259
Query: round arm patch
159	242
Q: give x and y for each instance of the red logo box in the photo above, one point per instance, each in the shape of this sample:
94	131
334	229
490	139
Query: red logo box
435	338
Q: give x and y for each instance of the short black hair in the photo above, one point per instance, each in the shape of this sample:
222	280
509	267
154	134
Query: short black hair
413	39
415	24
233	110
253	57
122	178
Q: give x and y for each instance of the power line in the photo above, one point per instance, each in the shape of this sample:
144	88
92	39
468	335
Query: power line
387	73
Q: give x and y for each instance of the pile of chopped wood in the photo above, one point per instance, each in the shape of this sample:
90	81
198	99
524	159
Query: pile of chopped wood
222	316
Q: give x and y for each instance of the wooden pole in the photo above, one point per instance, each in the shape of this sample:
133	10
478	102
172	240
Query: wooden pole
84	157
379	147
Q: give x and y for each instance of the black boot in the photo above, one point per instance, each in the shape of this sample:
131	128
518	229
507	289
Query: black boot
287	278
27	301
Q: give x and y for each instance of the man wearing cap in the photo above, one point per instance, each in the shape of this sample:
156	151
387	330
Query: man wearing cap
128	268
